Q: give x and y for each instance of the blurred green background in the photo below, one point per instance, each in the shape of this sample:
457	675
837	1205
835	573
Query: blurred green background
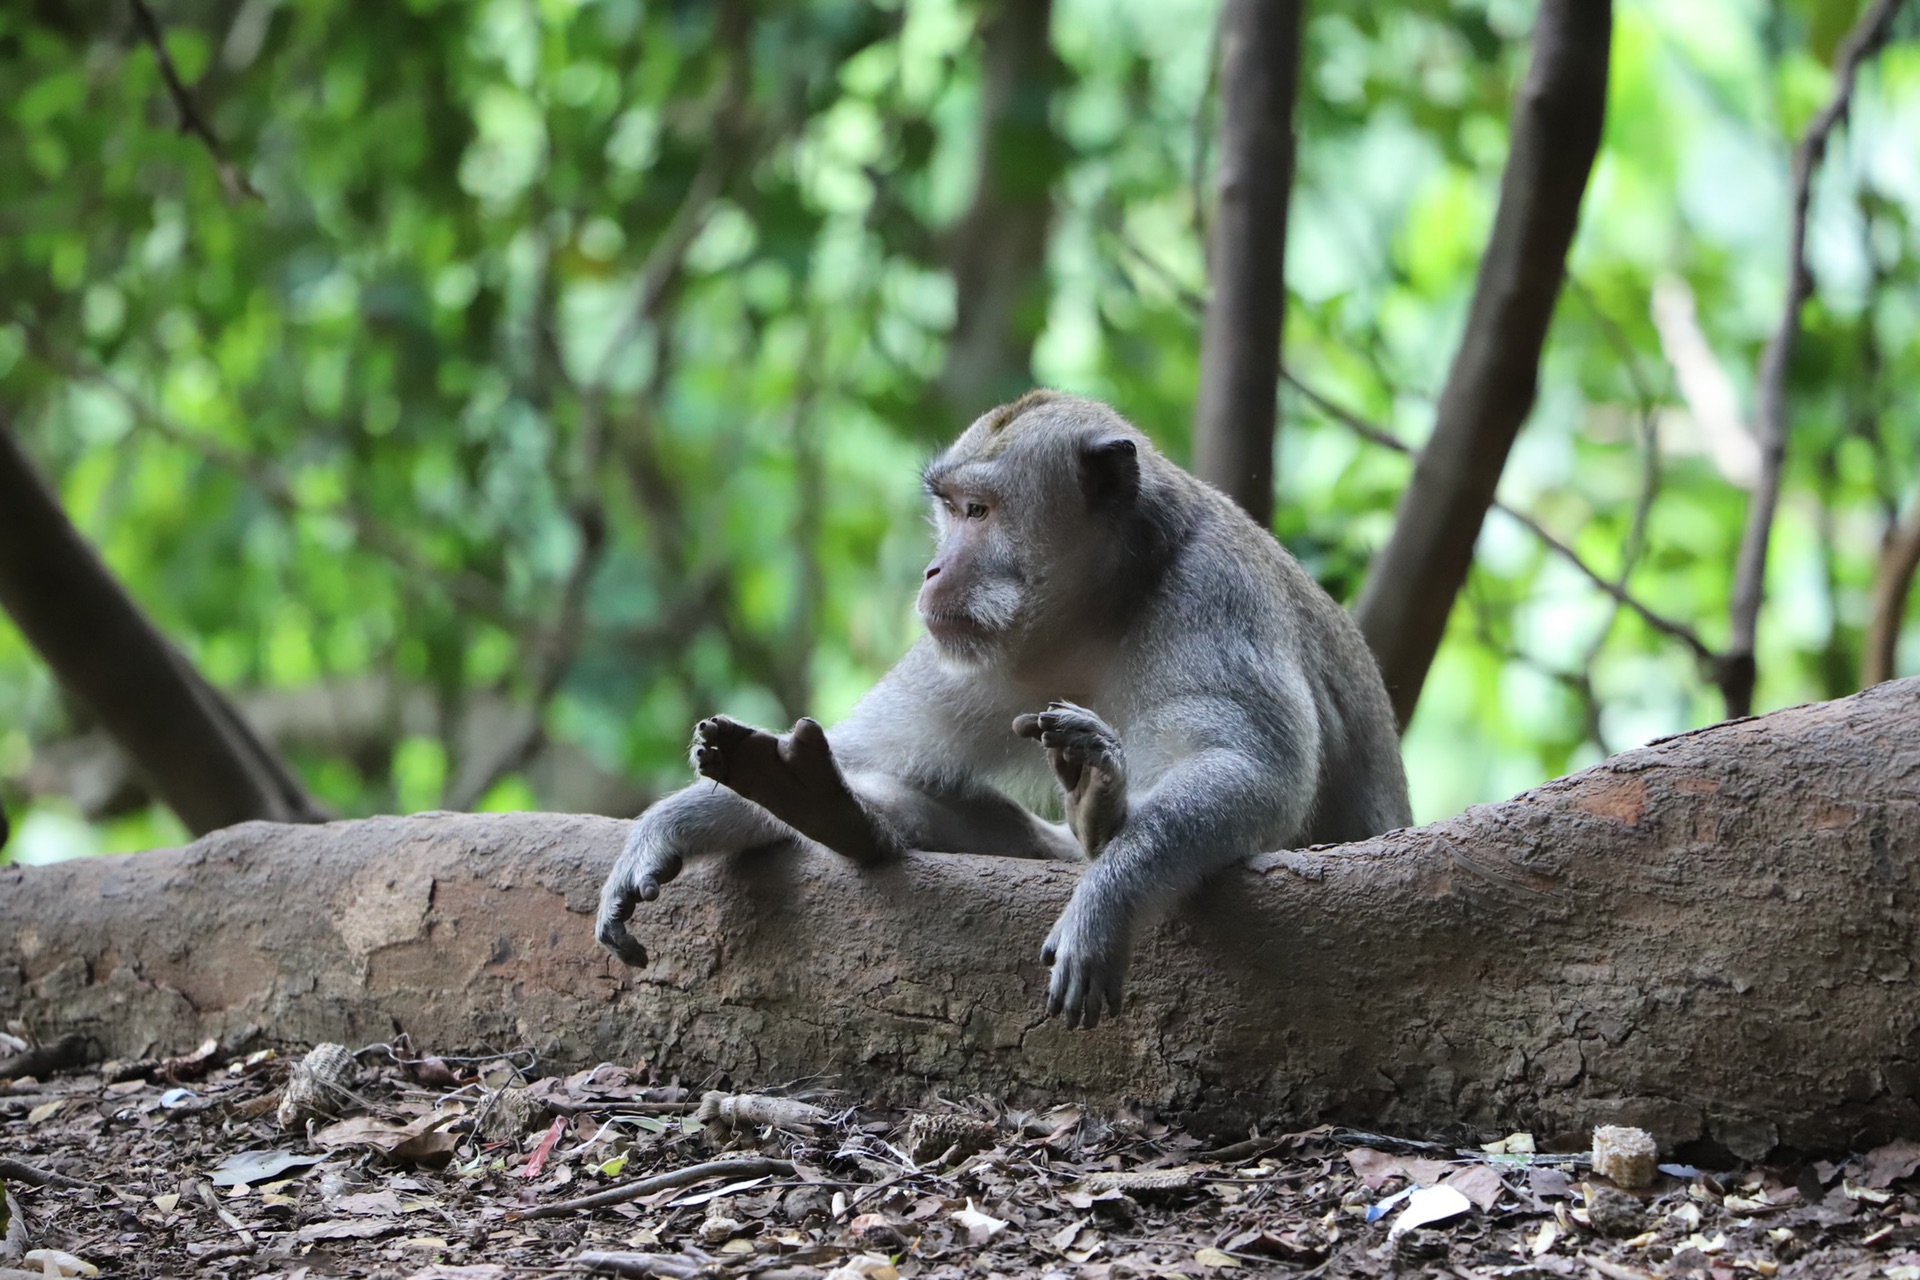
338	439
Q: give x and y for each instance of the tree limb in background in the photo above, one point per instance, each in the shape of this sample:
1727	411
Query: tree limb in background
1892	582
998	252
1737	673
203	760
192	121
1236	416
1615	588
1376	434
1490	389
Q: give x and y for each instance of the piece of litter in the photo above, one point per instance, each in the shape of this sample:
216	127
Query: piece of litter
1380	1209
1429	1205
1625	1156
981	1227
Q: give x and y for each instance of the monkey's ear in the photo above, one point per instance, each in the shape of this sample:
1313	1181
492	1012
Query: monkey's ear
1109	471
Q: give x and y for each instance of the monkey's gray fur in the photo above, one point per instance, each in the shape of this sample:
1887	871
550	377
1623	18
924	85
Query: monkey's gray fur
1080	571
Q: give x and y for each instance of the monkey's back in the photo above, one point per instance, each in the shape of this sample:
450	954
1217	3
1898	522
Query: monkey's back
1271	629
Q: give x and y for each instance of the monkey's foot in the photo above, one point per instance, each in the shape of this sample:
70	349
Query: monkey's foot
793	777
1087	758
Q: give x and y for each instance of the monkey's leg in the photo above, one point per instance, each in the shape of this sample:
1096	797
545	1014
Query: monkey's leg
1088	760
793	777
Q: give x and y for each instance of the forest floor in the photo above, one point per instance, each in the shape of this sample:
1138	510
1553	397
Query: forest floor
470	1168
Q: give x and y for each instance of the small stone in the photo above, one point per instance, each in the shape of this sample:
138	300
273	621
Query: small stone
1615	1213
513	1112
1624	1156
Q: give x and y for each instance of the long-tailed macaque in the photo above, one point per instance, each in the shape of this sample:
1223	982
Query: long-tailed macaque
1195	694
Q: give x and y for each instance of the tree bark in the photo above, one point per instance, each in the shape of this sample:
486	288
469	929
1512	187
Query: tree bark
197	751
1490	389
1236	418
998	252
1712	937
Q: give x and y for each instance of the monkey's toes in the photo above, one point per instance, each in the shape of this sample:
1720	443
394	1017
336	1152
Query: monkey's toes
715	740
1079	735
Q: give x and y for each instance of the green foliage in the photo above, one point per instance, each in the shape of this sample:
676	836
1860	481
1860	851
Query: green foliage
347	430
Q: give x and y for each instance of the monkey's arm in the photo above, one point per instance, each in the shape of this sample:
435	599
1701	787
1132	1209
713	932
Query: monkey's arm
1230	792
704	818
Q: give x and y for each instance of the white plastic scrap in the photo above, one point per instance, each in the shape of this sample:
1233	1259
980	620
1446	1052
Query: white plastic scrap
1428	1205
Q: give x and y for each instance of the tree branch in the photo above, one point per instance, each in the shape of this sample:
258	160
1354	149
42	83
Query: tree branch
1376	434
192	122
1893	577
201	757
466	588
998	252
1490	389
1739	672
1614	588
1236	416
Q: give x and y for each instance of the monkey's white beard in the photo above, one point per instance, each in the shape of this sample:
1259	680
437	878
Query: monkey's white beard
995	606
988	619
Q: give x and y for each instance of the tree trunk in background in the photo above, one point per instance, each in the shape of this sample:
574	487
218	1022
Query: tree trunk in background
1490	389
1713	936
1236	417
998	252
199	755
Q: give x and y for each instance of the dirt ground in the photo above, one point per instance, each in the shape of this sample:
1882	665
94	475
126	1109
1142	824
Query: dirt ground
406	1165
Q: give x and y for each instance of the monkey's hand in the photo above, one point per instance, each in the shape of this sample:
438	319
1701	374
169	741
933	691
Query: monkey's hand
1089	949
1088	760
644	866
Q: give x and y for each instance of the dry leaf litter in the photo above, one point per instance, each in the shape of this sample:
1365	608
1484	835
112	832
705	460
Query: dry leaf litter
402	1164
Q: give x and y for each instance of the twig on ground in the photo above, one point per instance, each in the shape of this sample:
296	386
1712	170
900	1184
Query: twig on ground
21	1171
41	1061
750	1167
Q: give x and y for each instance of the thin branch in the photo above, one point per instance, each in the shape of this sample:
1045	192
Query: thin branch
1375	434
557	646
1635	543
1615	589
192	122
466	588
1203	114
1738	672
201	756
750	1167
1893	576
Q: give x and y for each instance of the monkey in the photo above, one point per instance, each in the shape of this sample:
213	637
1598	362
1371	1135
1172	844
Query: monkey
1099	622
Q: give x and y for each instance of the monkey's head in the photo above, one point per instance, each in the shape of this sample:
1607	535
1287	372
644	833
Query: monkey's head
1036	509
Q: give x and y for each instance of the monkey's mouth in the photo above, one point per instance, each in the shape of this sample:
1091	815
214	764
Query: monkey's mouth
948	627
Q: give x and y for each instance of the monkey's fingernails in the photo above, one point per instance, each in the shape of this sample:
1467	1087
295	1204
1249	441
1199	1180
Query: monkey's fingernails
646	891
1027	726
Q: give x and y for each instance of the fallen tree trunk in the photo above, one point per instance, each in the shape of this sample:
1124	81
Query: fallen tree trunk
1711	937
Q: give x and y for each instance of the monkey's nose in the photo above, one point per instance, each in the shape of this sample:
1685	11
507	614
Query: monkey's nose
932	571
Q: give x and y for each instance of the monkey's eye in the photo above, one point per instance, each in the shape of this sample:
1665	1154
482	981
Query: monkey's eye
976	511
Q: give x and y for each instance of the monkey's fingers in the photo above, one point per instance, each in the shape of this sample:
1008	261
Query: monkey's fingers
1027	726
611	929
